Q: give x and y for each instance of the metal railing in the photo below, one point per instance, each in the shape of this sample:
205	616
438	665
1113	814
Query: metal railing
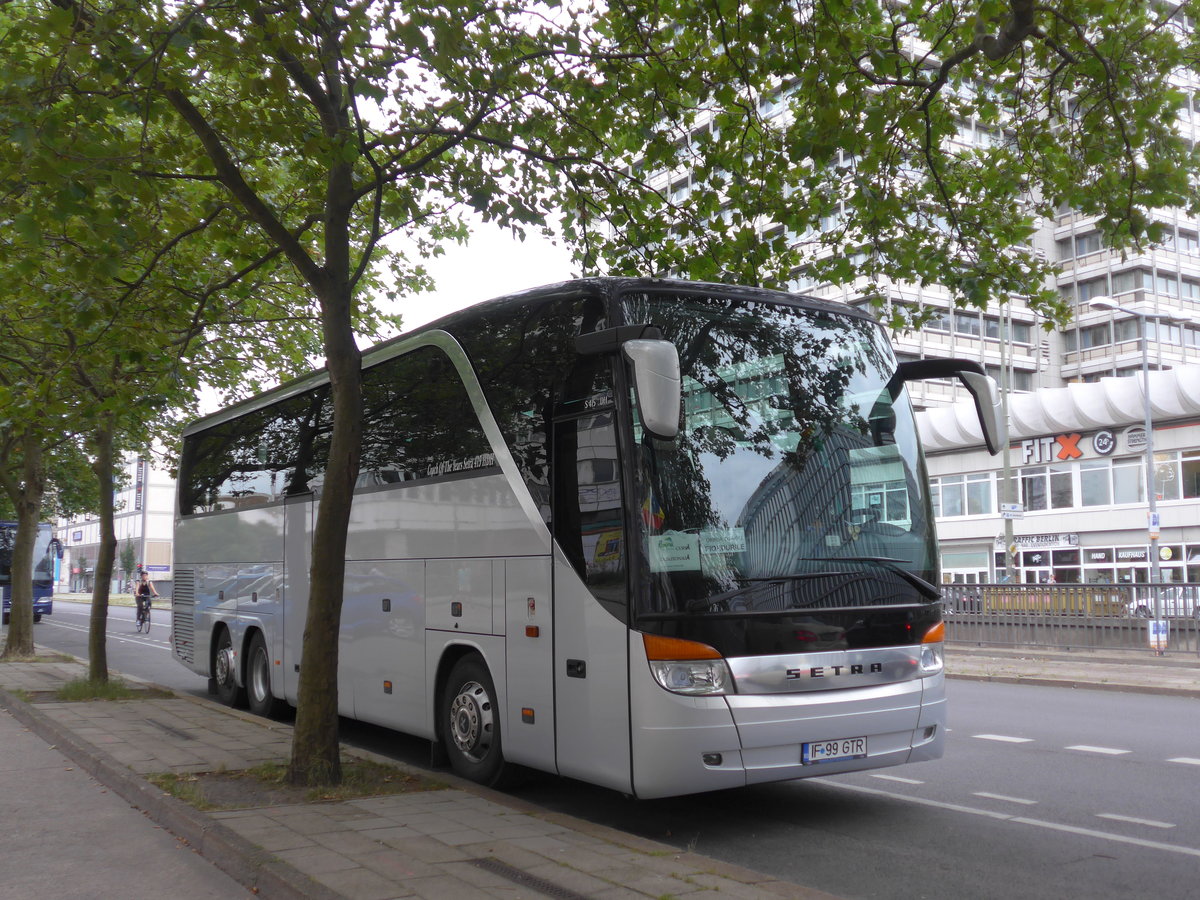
1072	616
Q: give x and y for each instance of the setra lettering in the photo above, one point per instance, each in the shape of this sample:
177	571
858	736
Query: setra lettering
835	671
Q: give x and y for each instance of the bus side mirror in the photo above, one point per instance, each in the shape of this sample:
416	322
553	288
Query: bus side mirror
986	394
658	383
979	384
656	376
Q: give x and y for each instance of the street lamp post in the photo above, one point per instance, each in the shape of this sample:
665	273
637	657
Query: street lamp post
1151	492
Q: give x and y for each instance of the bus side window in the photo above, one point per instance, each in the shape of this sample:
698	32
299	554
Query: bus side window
530	371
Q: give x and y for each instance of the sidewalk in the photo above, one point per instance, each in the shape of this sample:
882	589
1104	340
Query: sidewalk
461	842
1115	670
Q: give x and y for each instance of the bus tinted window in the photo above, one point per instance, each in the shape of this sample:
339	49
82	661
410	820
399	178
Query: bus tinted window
525	357
418	421
258	457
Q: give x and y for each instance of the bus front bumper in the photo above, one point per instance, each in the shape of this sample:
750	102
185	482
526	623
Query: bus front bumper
691	744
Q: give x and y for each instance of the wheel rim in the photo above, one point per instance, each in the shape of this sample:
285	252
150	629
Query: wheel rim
471	723
260	684
225	665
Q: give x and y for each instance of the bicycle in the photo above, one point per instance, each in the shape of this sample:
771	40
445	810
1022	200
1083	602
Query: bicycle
143	616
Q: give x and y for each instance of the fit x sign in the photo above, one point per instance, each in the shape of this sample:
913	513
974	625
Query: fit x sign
1060	448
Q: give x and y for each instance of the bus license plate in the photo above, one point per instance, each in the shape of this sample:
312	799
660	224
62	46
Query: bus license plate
830	751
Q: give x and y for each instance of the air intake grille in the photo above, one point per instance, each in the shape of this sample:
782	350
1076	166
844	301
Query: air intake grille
183	615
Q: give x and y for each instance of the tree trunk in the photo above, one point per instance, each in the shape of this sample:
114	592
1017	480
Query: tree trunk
102	448
315	741
27	498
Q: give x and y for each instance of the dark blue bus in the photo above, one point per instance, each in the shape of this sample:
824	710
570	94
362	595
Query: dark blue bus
46	551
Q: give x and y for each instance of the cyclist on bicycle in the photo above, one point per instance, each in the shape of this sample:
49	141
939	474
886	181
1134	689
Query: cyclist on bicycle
145	590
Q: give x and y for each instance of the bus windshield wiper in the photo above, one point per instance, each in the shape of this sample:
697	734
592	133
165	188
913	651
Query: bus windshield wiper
885	562
755	585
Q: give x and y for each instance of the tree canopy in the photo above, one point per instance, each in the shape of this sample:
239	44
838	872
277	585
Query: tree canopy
179	167
916	142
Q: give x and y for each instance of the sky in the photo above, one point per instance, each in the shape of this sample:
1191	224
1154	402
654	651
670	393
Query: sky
492	264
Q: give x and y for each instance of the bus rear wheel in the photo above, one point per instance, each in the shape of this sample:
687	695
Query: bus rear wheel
225	673
258	680
470	720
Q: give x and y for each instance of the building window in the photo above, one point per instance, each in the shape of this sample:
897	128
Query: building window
962	495
1094	336
939	320
1189	472
1087	243
966	323
1097	287
1167	285
1135	279
1128	483
1094	487
1047	487
1126	330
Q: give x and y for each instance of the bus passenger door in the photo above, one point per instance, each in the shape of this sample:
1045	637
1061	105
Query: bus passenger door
591	655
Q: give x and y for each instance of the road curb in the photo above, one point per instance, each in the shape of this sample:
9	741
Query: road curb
255	869
1079	685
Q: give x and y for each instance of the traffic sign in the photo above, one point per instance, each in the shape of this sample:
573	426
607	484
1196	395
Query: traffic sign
1012	511
1158	631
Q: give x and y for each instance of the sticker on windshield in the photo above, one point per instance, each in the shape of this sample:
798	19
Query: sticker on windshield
675	551
723	540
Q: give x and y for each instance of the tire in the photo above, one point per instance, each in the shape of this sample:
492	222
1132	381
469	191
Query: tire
224	663
258	680
470	723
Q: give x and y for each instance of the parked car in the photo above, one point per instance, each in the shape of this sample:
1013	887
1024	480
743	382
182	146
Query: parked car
1174	602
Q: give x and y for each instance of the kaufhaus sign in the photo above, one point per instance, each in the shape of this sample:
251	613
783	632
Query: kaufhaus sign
1076	445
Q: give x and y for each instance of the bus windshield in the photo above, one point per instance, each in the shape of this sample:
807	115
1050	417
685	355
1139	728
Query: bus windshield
43	560
796	481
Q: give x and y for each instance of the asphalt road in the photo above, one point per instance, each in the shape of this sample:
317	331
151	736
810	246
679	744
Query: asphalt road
144	655
1043	793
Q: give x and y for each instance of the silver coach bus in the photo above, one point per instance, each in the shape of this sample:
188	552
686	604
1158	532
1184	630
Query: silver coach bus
664	537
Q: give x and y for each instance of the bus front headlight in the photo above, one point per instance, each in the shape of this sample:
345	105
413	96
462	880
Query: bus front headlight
933	650
692	676
687	667
932	659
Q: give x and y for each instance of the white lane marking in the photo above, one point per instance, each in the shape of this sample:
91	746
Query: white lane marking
1087	748
898	778
144	640
1186	760
1004	738
1020	820
1134	821
1005	798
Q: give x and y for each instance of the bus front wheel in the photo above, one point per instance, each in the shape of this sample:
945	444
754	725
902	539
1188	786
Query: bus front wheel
471	722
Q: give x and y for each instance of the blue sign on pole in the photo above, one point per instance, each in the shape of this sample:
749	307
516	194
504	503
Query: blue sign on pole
1159	631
